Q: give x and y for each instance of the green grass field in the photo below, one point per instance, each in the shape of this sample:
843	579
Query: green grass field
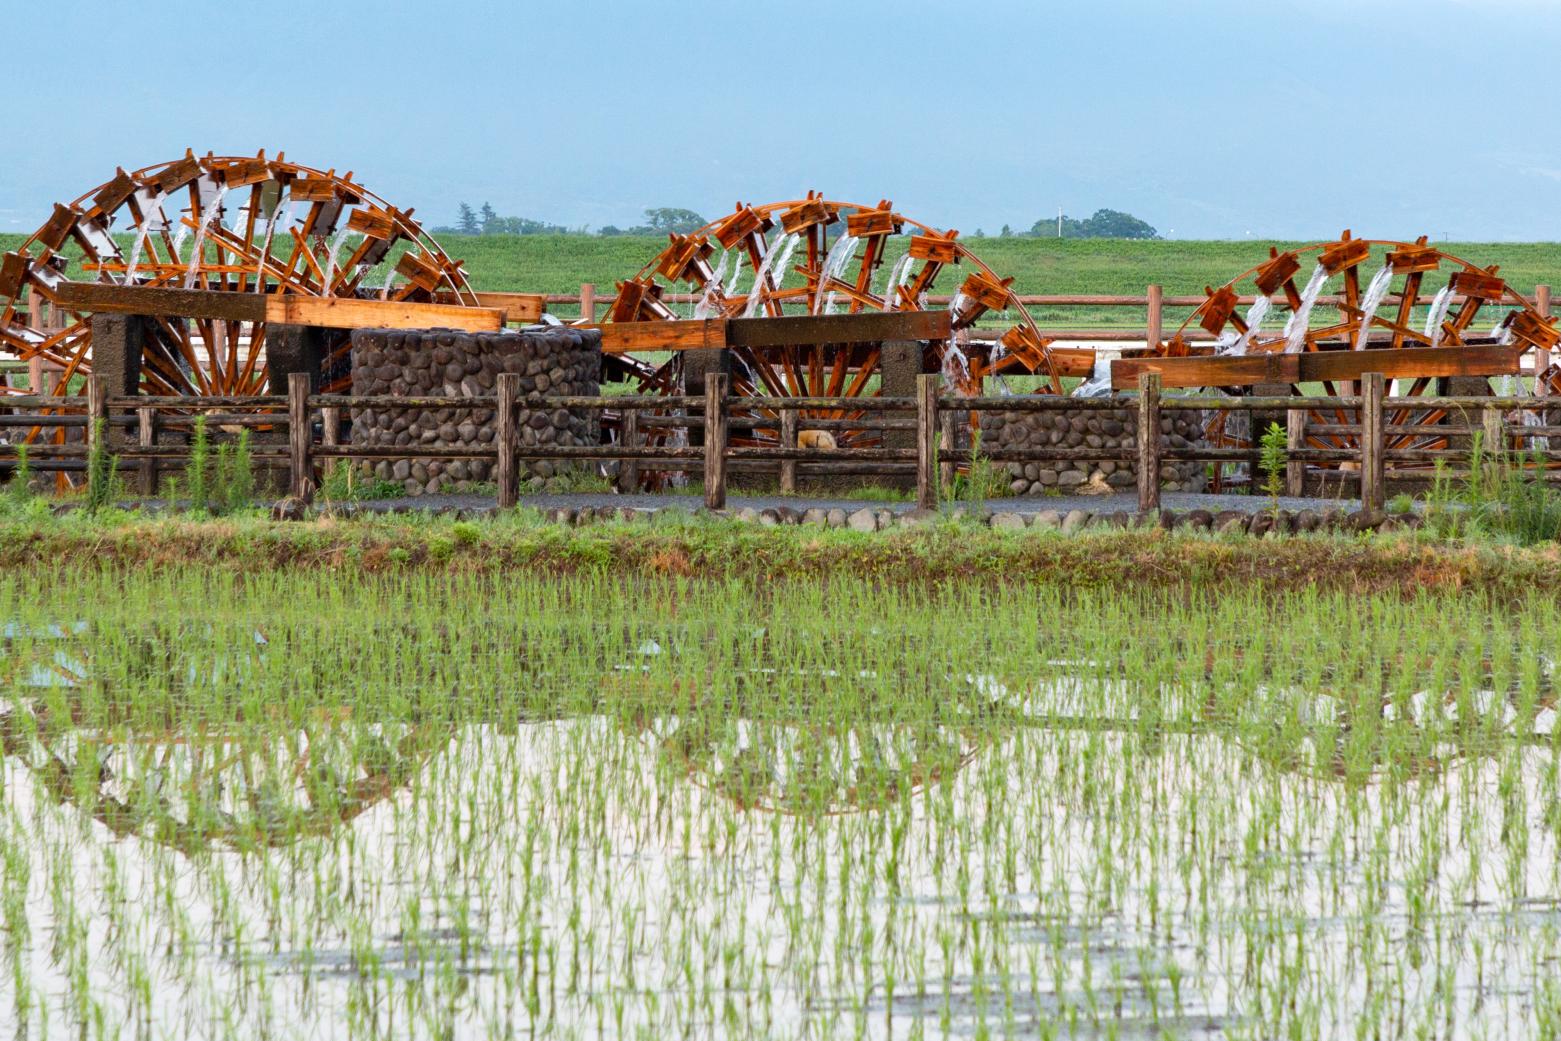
559	263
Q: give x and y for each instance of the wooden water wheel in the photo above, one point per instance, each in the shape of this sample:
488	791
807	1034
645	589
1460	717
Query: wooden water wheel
816	256
1361	294
241	224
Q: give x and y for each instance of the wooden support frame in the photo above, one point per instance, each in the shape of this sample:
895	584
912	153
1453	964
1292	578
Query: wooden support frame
787	331
320	312
1319	366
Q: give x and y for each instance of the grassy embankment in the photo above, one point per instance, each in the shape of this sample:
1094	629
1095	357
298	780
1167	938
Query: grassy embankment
523	542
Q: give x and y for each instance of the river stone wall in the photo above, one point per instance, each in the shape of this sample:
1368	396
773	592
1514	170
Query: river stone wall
1092	428
550	360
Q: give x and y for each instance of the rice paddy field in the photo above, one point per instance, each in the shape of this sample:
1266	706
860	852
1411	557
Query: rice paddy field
342	803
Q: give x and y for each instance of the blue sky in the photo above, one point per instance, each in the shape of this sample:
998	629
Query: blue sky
1208	119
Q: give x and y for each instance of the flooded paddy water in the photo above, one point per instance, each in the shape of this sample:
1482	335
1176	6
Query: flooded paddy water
332	806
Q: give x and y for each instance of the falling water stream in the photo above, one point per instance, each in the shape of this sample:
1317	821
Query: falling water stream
1440	305
898	275
208	215
150	215
1300	320
840	255
1376	292
775	259
331	250
1255	315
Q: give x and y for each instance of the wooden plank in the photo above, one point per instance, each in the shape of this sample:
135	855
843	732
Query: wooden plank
326	312
517	307
870	327
1316	366
350	313
700	334
162	301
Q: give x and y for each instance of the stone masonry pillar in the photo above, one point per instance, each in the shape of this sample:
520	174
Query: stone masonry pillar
698	364
899	363
293	348
118	343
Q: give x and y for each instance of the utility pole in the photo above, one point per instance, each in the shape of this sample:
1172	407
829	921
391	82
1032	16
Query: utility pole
1059	222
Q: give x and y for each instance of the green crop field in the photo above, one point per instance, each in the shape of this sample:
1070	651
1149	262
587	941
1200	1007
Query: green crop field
559	263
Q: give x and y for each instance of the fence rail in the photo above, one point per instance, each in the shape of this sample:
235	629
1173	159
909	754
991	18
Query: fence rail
931	453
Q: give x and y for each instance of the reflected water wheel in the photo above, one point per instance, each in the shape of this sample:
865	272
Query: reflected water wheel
1375	287
817	256
239	224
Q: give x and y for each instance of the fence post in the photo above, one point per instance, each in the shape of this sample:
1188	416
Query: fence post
927	441
146	439
330	426
788	439
506	390
948	441
1373	496
1295	440
588	301
97	412
1155	325
1148	441
299	435
1495	439
629	437
715	440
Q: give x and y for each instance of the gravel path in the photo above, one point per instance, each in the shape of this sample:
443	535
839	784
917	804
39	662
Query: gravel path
1179	501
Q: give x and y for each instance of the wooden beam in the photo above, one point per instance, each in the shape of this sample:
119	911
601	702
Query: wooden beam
161	301
350	313
517	307
327	312
1317	366
787	331
869	327
622	337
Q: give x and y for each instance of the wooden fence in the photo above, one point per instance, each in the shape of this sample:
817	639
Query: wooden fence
1378	434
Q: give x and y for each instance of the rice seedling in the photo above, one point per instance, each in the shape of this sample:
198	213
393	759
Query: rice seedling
433	803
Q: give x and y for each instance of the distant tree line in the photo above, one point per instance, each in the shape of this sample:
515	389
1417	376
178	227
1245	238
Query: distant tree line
1105	224
486	221
660	220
